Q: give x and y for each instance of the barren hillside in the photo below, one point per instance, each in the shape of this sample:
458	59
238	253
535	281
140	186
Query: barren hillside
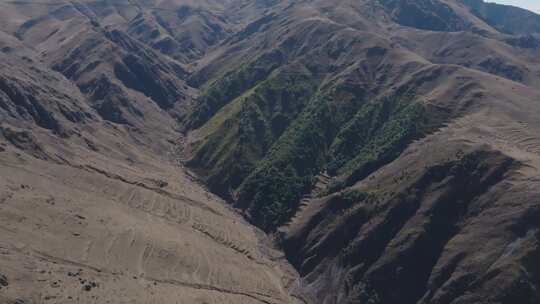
388	149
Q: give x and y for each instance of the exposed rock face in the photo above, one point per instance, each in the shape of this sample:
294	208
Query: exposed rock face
390	147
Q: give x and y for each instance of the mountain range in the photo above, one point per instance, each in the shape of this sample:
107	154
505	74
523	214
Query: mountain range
269	151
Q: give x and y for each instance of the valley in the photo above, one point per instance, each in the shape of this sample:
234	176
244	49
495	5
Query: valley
269	151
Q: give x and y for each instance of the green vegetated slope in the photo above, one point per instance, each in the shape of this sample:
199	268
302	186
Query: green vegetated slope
232	84
241	134
266	133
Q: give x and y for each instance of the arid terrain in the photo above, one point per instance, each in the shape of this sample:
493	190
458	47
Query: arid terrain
269	151
95	204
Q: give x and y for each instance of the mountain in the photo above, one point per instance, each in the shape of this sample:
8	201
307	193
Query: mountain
95	204
507	19
388	148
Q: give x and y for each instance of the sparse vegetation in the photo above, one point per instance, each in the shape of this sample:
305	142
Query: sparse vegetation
387	153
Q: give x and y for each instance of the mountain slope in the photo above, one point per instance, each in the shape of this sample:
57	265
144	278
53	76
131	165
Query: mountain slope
95	205
364	90
339	71
507	19
388	146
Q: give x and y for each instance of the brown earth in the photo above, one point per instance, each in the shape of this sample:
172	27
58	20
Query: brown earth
97	103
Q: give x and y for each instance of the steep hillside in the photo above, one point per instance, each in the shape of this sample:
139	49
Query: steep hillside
299	133
95	205
389	147
449	221
324	95
508	19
